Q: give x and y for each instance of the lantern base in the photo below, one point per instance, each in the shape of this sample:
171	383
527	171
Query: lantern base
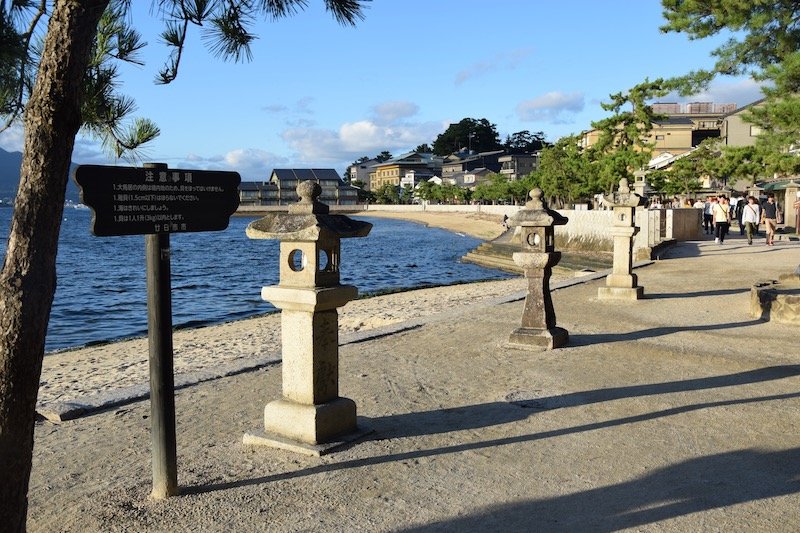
538	339
620	293
306	426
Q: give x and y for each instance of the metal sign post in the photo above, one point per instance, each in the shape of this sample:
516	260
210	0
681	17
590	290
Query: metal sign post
155	201
162	379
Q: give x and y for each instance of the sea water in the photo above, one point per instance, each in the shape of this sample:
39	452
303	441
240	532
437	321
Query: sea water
217	276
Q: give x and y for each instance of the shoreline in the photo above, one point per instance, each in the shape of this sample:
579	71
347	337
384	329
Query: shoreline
68	376
480	226
100	369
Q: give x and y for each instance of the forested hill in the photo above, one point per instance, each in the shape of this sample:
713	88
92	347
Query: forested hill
9	177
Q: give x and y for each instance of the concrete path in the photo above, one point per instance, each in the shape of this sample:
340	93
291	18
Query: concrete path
678	412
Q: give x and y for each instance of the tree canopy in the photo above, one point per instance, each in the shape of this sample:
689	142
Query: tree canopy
524	141
764	41
480	135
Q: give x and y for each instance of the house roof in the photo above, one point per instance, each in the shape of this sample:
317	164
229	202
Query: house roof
460	157
304	174
425	158
675	121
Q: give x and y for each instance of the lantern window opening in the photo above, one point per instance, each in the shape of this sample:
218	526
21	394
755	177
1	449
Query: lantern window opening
331	260
297	260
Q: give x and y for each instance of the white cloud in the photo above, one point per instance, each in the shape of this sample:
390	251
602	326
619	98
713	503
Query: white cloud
355	139
388	112
501	61
11	140
551	107
740	92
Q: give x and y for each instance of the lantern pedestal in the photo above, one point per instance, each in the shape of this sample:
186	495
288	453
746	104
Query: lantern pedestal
538	326
311	416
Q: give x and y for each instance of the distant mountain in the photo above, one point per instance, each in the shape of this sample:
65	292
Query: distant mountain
9	177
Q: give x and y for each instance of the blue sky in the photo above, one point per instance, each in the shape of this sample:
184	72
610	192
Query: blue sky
320	95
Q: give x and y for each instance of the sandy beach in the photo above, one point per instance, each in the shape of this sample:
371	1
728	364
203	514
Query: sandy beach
479	225
71	375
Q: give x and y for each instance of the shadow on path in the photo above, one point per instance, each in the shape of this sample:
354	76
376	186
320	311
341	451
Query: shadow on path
471	417
692	486
605	338
485	415
716	292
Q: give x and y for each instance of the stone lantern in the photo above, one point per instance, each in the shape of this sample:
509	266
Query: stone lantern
538	257
621	284
311	417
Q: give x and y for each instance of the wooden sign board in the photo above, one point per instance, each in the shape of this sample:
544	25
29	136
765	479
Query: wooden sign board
144	201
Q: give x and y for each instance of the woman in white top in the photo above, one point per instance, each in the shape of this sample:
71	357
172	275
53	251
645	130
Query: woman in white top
751	216
722	219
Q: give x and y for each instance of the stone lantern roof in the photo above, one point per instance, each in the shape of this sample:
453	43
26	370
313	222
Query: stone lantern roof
307	220
536	213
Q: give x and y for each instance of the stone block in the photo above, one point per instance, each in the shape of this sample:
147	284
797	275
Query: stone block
538	339
620	293
310	424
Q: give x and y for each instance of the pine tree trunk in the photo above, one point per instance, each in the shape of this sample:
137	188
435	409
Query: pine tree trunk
28	278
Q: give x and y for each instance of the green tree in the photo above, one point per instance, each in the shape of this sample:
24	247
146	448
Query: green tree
383	156
479	135
764	41
761	33
363	194
519	189
423	149
741	163
495	189
682	177
565	172
407	194
426	190
54	87
623	146
387	194
524	141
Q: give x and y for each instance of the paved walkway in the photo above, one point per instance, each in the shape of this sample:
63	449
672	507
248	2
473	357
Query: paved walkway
678	412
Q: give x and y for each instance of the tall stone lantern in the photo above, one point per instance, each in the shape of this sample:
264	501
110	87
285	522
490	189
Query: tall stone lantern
538	257
621	284
311	417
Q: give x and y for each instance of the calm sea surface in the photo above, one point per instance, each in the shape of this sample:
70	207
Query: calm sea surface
217	276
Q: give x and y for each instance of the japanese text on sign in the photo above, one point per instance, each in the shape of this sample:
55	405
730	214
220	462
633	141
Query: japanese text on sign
129	200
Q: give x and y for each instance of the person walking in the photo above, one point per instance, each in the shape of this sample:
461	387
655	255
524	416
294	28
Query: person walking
751	215
739	211
708	215
770	214
722	219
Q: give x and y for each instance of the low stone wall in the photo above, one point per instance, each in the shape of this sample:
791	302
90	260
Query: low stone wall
587	230
445	208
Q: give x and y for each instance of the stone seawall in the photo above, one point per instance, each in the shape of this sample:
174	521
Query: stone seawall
586	231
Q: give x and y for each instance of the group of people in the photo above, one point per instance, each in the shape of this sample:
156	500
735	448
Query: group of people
718	213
